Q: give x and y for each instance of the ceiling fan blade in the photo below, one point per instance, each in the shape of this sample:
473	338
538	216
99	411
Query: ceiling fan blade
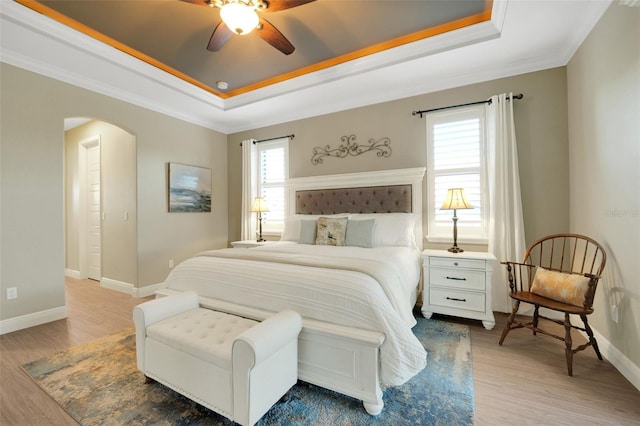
204	3
276	5
271	35
220	36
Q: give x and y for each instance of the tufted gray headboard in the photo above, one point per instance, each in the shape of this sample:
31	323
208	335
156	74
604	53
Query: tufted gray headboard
369	199
380	191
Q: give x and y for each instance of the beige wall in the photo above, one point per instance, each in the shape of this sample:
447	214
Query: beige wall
604	142
33	109
541	122
118	172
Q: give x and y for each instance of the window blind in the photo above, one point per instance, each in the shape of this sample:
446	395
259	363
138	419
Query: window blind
457	161
455	150
272	177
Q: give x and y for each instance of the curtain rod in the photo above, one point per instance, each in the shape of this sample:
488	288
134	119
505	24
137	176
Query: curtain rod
291	136
488	101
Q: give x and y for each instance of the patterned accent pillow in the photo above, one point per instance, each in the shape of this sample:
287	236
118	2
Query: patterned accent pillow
560	286
331	231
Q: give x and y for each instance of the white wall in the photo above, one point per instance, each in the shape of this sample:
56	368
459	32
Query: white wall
32	112
604	142
541	127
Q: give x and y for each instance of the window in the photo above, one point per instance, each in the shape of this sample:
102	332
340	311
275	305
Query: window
272	174
456	159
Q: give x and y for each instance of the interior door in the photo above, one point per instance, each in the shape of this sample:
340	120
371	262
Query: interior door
94	216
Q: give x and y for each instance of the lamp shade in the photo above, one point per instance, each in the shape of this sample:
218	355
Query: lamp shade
259	205
240	19
456	199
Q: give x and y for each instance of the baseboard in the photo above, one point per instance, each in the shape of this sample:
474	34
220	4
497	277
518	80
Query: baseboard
116	285
33	319
72	273
623	364
123	287
148	290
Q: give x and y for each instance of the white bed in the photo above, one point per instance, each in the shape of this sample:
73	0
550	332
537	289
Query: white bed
356	302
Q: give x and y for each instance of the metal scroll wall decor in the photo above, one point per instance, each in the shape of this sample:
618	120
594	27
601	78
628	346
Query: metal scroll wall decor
349	146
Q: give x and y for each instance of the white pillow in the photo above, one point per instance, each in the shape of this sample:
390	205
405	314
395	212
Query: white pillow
291	231
392	229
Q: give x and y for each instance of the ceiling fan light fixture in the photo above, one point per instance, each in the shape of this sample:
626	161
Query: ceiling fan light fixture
240	18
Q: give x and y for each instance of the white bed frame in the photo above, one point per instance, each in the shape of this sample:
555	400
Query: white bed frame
343	359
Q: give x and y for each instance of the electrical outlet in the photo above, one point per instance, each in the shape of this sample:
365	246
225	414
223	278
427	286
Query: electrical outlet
614	313
12	293
170	263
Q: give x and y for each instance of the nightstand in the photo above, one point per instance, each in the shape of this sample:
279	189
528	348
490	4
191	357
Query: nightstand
458	284
250	243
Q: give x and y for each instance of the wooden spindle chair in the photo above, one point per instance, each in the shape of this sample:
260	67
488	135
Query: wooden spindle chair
559	272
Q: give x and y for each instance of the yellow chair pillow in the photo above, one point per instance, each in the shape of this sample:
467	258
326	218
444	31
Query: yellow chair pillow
560	286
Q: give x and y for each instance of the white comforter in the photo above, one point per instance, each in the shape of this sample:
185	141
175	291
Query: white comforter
380	300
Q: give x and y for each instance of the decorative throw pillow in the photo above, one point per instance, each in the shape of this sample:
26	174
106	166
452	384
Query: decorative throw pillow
360	233
560	286
291	231
307	232
331	231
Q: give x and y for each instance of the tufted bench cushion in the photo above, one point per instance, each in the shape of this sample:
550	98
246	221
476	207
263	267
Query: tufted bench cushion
203	333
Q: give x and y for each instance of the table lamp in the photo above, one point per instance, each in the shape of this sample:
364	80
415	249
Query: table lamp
259	205
455	199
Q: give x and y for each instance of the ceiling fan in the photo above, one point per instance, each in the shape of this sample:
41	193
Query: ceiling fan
241	17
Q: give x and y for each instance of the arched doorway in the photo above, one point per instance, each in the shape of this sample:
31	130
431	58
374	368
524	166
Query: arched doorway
100	203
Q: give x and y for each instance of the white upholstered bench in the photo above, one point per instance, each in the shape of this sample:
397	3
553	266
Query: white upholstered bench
234	366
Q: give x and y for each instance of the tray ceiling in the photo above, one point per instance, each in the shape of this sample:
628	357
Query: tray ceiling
173	35
512	37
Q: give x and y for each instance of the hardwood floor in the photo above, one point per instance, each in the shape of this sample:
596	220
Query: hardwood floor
524	382
92	312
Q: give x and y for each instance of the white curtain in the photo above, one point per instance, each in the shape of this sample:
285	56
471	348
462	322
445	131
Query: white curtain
248	224
506	226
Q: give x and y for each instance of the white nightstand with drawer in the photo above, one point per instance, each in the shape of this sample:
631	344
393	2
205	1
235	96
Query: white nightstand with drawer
458	284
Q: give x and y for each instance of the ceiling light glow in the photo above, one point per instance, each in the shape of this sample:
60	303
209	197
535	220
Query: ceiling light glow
240	19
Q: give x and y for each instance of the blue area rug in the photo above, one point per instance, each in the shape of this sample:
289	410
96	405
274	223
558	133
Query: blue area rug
98	384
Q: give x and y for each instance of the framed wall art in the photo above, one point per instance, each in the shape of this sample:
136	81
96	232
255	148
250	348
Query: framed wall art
189	188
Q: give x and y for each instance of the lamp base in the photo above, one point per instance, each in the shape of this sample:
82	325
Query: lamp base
455	249
259	240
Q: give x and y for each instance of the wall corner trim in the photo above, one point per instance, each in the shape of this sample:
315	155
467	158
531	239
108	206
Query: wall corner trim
31	320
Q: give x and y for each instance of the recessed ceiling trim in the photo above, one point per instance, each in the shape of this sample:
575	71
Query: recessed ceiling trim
78	26
448	27
39	44
465	36
31	41
484	16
